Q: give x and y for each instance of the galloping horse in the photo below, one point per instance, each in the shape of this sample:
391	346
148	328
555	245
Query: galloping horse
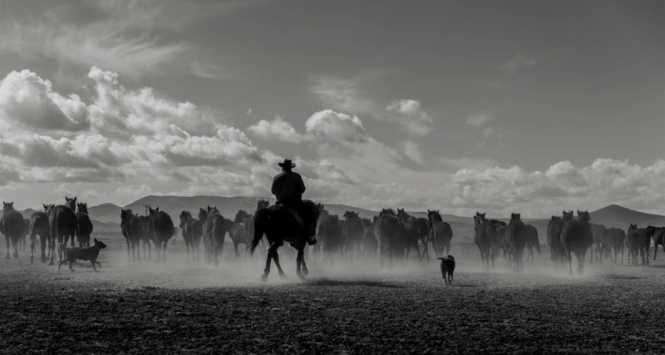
279	225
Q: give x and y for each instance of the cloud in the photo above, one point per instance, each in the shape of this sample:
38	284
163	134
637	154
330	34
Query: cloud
332	126
519	62
207	71
479	119
276	129
29	101
412	150
410	115
341	94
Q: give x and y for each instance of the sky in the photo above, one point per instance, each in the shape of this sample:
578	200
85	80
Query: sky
526	106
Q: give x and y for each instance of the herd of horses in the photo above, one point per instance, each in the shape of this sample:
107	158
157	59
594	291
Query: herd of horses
390	234
53	228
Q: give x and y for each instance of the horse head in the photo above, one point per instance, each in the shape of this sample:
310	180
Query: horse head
351	215
82	207
241	216
434	215
70	202
515	217
7	206
567	216
584	216
203	214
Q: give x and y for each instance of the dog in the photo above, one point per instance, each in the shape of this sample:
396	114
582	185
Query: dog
89	254
447	269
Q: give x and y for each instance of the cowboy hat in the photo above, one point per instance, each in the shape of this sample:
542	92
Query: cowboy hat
287	163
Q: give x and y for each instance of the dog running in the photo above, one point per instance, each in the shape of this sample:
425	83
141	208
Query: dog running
447	269
89	254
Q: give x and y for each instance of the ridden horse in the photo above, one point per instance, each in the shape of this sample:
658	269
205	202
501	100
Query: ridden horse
161	230
440	233
576	238
12	226
279	226
192	232
84	223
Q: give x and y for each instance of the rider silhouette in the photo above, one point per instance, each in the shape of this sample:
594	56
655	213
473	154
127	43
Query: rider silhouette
288	188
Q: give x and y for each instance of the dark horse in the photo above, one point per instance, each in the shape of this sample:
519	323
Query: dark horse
440	233
39	226
12	226
192	231
133	229
392	236
485	239
279	226
241	230
519	237
215	227
161	230
64	226
84	225
554	228
576	237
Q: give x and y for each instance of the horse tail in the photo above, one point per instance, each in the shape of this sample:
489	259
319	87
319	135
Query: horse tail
259	219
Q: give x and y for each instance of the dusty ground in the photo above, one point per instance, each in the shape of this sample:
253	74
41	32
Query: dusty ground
349	307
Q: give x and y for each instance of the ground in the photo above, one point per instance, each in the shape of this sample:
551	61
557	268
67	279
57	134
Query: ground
344	307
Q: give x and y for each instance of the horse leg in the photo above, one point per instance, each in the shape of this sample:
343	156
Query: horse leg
8	246
300	264
235	248
266	271
279	267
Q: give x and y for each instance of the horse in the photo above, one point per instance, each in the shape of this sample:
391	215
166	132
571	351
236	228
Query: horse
393	238
192	232
279	226
415	233
616	239
440	233
485	238
64	226
132	229
657	234
353	231
554	227
638	241
517	234
12	226
214	231
241	230
369	243
161	230
84	223
39	226
329	233
576	238
532	242
600	242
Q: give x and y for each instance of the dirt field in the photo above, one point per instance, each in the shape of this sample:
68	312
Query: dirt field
344	307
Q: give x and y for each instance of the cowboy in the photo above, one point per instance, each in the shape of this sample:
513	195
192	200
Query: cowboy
288	188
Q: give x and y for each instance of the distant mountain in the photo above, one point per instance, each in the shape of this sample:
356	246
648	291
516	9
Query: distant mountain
621	217
106	212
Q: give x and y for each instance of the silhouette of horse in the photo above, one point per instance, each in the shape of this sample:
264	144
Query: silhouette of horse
486	240
440	233
161	230
192	232
329	233
532	242
517	238
12	226
241	230
214	231
415	232
64	226
392	236
638	241
132	229
576	238
601	245
39	226
657	234
369	241
617	240
353	231
279	226
85	227
554	228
